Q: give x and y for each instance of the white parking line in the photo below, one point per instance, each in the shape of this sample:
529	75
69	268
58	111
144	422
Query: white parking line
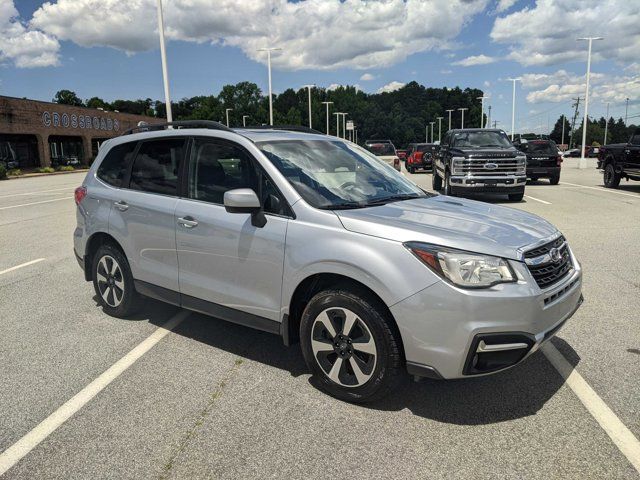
2	272
22	447
602	189
622	437
35	203
537	200
36	192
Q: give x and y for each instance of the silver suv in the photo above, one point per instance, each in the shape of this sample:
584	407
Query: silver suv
310	237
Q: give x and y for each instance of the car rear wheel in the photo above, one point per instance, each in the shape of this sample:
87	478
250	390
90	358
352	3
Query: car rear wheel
113	282
555	180
436	181
349	346
611	178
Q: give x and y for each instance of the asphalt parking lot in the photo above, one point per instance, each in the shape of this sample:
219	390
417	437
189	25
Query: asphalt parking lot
210	399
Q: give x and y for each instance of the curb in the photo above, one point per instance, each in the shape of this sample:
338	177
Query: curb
32	175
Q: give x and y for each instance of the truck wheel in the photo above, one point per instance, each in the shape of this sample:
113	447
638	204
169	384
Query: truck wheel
554	180
611	178
447	184
349	346
436	181
516	197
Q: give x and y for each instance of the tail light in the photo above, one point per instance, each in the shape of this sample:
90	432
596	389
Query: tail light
79	194
559	160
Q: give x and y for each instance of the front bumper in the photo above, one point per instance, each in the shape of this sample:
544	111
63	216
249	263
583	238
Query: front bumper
442	325
487	183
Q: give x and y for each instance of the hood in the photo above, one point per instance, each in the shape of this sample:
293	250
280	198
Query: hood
451	222
472	152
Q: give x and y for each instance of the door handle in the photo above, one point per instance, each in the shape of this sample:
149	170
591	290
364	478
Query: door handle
187	222
122	206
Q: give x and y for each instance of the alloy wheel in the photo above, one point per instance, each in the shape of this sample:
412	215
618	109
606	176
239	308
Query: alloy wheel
110	281
343	347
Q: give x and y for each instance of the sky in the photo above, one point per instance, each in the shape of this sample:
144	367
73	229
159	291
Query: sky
110	49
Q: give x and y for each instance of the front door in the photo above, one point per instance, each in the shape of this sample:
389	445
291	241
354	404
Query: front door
224	260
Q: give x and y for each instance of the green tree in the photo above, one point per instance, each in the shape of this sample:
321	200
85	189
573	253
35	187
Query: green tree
97	102
67	97
556	133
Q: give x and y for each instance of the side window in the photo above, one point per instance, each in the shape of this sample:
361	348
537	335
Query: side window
635	139
271	199
215	168
115	164
156	166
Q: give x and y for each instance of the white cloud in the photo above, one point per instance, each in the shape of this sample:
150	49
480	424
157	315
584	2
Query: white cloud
475	60
25	47
316	34
367	77
391	87
504	5
446	72
545	34
487	83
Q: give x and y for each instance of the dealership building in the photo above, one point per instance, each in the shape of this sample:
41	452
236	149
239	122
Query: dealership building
42	134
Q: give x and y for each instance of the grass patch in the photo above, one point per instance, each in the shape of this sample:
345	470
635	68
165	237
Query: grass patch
14	172
45	170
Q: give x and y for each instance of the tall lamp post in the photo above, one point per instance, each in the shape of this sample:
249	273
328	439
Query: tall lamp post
269	50
606	125
344	124
163	55
327	105
513	106
309	87
462	110
226	112
439	128
337	114
450	111
244	120
482	98
582	163
563	122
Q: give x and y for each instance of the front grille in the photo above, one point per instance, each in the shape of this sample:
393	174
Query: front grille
478	166
546	270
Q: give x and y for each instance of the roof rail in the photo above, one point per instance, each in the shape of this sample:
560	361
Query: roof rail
150	127
291	128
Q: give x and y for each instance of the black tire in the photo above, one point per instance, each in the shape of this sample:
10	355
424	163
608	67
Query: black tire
380	369
116	293
436	181
533	179
411	170
611	178
516	197
555	180
447	184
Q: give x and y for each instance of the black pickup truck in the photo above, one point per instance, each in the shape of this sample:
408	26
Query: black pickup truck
620	160
479	160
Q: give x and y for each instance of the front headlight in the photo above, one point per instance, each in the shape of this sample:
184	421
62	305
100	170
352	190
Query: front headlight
464	269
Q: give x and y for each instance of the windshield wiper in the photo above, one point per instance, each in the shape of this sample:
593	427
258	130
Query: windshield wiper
393	198
345	206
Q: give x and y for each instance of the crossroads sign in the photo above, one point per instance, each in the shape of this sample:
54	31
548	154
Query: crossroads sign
84	122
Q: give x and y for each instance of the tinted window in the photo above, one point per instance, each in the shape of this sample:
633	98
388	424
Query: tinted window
216	168
425	148
156	166
635	139
381	149
479	139
116	163
542	148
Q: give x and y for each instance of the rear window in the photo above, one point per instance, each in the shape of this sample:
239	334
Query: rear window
381	149
155	168
542	148
116	163
425	148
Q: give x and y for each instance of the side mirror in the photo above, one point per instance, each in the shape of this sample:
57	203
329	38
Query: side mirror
241	200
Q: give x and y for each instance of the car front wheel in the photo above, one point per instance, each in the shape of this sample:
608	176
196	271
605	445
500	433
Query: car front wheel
611	178
348	345
436	181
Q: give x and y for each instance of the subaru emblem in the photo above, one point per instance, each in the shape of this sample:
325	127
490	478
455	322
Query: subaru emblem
555	255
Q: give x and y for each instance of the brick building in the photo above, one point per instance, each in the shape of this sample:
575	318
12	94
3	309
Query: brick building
41	134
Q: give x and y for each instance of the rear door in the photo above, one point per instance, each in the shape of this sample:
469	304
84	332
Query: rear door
632	155
142	215
228	264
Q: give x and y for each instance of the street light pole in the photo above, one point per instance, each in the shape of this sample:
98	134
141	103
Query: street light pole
439	128
513	106
626	110
582	162
226	112
337	114
309	87
488	118
482	110
163	55
563	122
269	50
462	110
431	123
606	125
244	120
327	105
449	118
344	125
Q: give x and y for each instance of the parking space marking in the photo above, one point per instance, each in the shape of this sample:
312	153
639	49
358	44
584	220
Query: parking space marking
602	189
35	203
622	437
36	192
22	447
537	200
26	264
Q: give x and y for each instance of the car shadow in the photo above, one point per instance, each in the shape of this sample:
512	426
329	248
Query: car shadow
515	393
626	187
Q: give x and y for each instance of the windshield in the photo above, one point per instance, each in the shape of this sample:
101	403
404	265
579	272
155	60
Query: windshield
381	149
481	139
334	175
543	148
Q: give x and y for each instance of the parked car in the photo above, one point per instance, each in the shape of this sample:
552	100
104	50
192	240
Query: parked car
385	151
309	237
402	154
476	160
620	160
421	157
543	159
